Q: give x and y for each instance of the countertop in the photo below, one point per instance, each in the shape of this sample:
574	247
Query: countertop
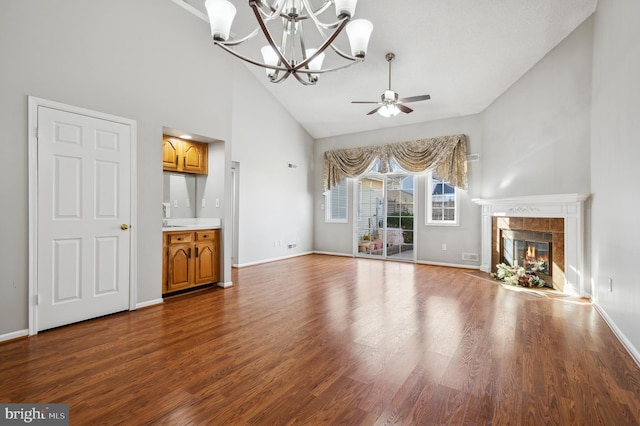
190	224
188	227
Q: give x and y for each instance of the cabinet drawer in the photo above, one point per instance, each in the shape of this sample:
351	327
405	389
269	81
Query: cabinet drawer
185	237
205	235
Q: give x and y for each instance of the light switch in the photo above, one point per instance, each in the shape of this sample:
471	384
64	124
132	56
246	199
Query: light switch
175	203
217	202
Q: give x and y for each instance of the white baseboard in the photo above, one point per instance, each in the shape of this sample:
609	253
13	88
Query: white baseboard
226	284
149	303
452	265
14	335
329	253
619	334
260	262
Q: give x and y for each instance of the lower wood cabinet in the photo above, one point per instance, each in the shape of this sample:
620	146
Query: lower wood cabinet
191	259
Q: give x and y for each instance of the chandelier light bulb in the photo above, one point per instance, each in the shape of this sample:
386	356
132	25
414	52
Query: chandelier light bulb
270	57
221	14
359	32
345	8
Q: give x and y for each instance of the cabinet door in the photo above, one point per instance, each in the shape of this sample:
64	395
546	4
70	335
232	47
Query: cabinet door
205	263
194	157
213	237
180	267
170	153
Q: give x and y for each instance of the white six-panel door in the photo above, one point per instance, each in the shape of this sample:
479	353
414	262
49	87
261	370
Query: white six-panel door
83	215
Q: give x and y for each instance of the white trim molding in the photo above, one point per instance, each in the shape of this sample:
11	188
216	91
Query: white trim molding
148	303
14	335
569	207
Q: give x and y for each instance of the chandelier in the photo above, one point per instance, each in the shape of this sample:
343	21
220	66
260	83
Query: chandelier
292	57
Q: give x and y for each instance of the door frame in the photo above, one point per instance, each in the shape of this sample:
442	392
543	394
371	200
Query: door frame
356	202
34	104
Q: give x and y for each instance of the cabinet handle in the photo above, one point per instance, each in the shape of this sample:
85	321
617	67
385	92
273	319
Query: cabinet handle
196	251
205	236
179	239
184	161
176	159
189	252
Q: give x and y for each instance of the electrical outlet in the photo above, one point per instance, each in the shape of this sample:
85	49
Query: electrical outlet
217	202
175	203
444	246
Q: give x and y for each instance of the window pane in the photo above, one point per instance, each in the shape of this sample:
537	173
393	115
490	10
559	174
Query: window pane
336	202
449	214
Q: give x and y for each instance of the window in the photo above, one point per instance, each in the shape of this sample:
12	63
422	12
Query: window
442	201
336	203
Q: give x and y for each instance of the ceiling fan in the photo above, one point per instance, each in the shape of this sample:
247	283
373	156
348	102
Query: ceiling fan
390	105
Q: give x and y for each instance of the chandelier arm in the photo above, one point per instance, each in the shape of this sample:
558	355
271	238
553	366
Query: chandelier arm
275	12
251	61
269	37
239	41
336	50
341	67
283	78
319	24
306	83
328	42
345	56
287	71
320	10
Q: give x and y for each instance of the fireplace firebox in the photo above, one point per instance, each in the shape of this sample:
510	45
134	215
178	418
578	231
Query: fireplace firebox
529	249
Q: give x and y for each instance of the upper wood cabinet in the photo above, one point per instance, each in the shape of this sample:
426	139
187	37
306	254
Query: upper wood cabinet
179	155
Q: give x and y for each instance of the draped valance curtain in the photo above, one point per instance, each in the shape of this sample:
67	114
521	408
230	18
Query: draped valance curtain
445	155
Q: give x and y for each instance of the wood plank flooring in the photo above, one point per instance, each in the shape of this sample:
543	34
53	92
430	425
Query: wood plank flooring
329	340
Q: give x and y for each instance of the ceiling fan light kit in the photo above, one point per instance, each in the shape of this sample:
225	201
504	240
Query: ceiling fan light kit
291	57
390	105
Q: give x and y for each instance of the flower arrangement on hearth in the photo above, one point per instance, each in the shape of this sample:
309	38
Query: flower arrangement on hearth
519	275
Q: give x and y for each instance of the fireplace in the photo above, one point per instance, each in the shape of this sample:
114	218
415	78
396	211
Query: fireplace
545	231
530	249
535	243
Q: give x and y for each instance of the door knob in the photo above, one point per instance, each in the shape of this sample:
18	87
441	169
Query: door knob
124	226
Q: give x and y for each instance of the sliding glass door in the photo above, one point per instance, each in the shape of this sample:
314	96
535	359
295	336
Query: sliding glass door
385	225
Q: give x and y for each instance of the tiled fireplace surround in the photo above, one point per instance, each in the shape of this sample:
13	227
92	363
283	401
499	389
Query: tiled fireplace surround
562	215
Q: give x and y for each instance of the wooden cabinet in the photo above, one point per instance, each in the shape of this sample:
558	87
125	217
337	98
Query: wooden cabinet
179	155
192	258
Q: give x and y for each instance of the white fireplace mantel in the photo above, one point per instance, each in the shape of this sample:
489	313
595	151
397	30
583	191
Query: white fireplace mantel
570	207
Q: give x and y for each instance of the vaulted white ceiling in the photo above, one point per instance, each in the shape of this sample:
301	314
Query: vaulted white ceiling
464	53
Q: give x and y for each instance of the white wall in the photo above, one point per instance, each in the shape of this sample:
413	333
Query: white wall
275	201
536	135
615	150
118	57
212	186
338	237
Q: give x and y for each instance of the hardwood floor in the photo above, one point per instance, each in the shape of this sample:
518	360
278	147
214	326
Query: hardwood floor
330	340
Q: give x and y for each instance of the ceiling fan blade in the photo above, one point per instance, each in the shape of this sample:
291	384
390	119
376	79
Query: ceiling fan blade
374	111
404	108
364	102
415	99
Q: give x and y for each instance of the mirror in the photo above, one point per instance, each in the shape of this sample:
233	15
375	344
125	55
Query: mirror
180	194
